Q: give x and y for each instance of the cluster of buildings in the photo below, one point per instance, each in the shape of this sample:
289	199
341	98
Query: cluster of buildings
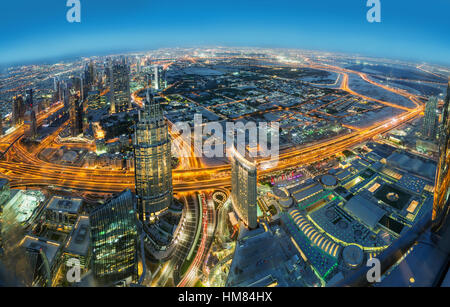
24	111
346	215
318	226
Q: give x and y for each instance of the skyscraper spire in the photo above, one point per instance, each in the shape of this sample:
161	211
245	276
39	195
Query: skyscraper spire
152	153
430	120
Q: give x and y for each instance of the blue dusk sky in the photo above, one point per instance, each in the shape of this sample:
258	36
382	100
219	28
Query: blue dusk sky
36	30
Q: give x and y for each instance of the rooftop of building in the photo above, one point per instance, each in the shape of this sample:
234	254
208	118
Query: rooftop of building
412	164
301	194
78	243
365	210
50	248
253	266
65	204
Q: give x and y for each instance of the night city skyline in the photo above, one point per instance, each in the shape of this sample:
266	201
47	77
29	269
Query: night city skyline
409	29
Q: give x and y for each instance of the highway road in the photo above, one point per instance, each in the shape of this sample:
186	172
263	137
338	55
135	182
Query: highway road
25	169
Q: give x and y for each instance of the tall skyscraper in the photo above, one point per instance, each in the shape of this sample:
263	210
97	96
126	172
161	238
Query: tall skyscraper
55	83
18	110
56	90
1	123
15	117
442	184
89	74
30	124
159	78
76	115
114	239
430	121
120	87
29	99
244	188
83	87
138	65
153	169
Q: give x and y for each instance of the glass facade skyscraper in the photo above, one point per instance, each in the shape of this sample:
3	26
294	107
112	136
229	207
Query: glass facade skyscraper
244	189
30	124
120	87
442	184
159	78
114	236
18	110
430	121
29	98
76	115
153	169
89	74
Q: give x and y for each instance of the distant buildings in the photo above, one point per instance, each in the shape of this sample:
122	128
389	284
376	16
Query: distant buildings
18	110
153	170
120	87
88	79
76	115
66	96
244	189
29	98
57	90
430	121
442	185
114	239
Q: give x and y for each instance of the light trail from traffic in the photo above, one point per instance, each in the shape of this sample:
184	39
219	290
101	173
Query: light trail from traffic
25	169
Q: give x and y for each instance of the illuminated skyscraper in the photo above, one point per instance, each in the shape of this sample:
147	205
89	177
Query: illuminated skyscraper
89	74
159	78
29	98
430	121
76	115
138	65
114	239
30	124
18	110
152	152
442	184
244	189
83	87
120	87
